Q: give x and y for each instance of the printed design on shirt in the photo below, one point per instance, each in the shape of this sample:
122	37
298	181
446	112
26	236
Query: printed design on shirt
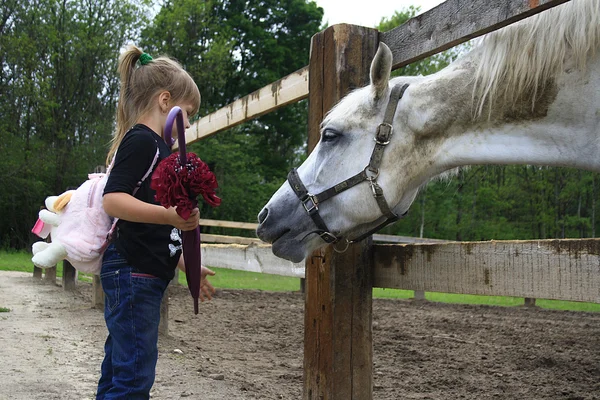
176	239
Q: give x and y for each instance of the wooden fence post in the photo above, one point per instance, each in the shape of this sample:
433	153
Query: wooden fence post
529	302
97	293
50	275
419	295
69	276
163	325
338	350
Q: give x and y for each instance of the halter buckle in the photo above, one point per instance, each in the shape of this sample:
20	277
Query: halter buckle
384	133
310	203
328	237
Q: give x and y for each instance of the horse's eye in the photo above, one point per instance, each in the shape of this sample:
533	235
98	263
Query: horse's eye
329	135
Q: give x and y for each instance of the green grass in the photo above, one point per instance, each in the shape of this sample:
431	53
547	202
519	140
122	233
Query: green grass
486	300
4	309
232	279
15	261
21	261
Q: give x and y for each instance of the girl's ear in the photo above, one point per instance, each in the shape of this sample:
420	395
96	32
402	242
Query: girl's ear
163	101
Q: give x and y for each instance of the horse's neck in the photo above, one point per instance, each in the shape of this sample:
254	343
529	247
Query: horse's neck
563	129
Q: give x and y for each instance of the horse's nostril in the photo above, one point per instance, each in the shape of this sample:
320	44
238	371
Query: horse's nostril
263	215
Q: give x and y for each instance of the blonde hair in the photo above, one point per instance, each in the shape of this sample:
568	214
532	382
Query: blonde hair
140	84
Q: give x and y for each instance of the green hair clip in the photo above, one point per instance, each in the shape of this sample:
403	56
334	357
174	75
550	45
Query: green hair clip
145	58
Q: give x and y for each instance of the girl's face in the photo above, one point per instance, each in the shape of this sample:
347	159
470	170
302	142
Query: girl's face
186	110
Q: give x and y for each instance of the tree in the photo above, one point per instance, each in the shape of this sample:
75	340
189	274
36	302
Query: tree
232	48
428	65
58	83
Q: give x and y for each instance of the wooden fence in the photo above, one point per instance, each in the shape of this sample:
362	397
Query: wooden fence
337	341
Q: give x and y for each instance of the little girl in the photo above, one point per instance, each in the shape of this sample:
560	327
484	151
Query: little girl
140	262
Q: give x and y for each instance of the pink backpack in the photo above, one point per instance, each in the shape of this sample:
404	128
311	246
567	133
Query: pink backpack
79	228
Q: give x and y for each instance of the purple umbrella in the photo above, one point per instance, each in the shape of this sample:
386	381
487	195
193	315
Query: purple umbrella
178	181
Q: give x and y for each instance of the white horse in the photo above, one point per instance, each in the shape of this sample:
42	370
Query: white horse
526	94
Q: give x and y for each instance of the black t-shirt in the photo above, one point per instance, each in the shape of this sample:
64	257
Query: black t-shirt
150	248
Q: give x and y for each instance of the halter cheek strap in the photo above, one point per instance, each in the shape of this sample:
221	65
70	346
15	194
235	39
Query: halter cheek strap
370	174
310	204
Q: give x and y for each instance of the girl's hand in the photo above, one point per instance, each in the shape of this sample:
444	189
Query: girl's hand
206	288
185	225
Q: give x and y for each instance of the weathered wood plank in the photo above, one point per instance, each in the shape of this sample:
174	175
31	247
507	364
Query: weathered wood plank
287	90
252	258
228	224
163	324
405	239
337	338
454	22
175	280
97	293
551	269
50	275
208	238
547	269
445	26
69	276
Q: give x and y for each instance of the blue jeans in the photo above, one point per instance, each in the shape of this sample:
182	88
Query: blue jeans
132	313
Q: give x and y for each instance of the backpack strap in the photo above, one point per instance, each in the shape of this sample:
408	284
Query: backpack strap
139	184
156	156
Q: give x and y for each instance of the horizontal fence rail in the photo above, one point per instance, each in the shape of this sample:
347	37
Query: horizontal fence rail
228	224
252	226
454	22
251	258
566	269
449	24
287	90
224	239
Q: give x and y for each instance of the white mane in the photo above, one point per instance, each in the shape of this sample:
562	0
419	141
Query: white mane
518	61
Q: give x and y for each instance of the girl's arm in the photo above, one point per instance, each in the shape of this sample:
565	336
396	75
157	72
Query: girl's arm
126	207
206	288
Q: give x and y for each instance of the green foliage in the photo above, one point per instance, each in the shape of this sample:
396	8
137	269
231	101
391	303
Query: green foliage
424	67
233	48
59	87
505	202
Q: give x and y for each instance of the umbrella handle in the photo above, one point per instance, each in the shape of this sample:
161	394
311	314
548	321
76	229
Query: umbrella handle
176	115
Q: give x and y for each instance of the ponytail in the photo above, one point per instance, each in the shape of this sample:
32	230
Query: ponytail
140	84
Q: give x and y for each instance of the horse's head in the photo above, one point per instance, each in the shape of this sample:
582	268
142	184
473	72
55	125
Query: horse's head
347	207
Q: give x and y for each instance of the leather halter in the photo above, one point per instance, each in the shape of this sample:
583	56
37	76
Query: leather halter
370	174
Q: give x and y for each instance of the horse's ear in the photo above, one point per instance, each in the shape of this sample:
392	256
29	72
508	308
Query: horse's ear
381	68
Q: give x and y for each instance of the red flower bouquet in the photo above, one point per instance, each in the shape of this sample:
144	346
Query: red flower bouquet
179	186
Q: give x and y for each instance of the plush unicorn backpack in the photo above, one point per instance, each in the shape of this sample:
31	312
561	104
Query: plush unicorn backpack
79	228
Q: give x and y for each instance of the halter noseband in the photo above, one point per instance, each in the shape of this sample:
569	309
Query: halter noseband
370	174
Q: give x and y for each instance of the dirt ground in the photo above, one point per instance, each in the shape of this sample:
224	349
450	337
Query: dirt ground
248	345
